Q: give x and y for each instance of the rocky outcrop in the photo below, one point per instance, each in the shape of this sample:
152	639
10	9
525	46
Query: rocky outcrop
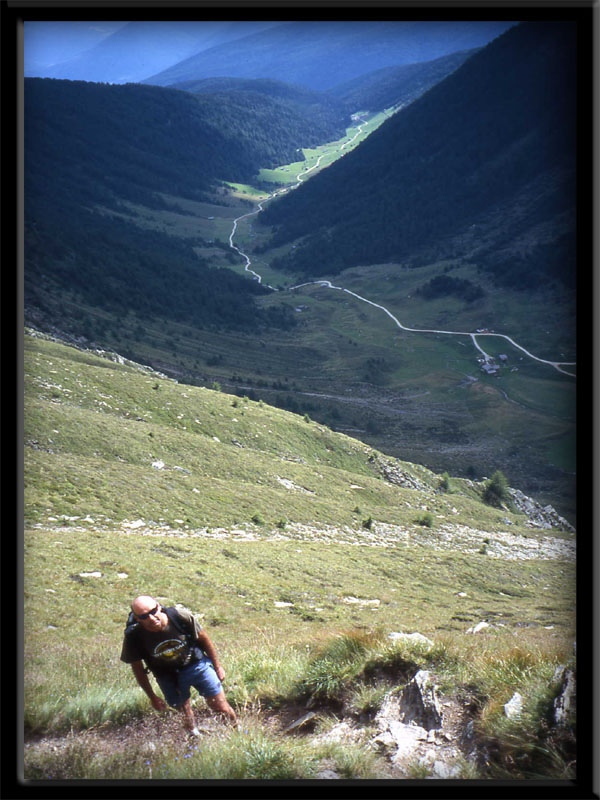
413	730
394	472
539	516
564	704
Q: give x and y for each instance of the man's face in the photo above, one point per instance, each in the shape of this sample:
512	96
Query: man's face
148	612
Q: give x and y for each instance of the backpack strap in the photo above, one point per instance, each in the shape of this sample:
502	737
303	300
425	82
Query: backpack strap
184	627
178	622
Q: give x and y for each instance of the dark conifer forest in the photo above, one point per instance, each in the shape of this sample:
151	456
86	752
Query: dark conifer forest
91	146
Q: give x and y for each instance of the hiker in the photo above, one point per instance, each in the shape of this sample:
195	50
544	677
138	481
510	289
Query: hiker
178	653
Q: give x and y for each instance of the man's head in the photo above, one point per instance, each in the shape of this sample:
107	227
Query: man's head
149	613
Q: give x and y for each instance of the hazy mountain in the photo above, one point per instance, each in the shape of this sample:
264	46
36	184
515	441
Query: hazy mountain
393	86
49	43
484	160
136	49
320	55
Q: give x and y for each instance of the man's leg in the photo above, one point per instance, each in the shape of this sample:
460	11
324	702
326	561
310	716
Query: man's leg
219	704
174	696
186	710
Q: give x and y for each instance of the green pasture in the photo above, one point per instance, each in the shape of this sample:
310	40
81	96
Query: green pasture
269	526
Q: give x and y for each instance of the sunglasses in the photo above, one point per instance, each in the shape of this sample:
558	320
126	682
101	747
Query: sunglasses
148	613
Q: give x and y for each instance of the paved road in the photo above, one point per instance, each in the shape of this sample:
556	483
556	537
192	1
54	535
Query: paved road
558	365
259	207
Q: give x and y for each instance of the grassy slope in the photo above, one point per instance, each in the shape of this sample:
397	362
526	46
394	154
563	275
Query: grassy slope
522	423
94	428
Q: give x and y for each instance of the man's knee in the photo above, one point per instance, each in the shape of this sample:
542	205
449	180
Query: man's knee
219	703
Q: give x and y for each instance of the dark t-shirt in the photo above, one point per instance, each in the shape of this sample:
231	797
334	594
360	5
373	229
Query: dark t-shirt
164	650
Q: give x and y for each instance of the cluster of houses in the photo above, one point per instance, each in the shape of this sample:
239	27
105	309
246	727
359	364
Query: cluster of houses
490	366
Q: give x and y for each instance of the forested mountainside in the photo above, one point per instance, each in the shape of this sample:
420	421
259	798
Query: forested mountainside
131	53
318	116
459	160
394	86
93	145
321	54
129	141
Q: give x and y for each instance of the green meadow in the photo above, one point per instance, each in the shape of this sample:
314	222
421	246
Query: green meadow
297	554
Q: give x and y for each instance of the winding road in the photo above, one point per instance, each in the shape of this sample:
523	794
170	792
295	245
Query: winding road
558	365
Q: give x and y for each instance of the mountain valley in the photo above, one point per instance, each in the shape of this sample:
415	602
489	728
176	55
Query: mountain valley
300	353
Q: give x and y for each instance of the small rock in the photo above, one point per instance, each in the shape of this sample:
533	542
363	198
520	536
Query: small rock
513	708
300	722
411	637
158	464
479	627
327	774
564	705
445	771
357	601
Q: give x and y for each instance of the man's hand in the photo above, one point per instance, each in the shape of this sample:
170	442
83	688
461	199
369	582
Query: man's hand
220	673
158	703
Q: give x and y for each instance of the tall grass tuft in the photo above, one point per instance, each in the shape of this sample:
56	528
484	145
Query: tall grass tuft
335	666
86	708
266	675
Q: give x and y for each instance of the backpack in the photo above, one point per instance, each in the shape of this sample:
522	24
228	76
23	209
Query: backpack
180	626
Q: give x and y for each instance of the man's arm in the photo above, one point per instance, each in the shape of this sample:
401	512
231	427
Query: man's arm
209	648
140	675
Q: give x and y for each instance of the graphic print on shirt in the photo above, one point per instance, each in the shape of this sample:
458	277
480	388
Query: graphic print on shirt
171	652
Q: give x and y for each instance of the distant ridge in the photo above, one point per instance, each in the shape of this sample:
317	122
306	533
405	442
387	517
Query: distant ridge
320	55
139	48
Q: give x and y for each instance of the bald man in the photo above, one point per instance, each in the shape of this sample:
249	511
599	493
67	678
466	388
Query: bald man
179	654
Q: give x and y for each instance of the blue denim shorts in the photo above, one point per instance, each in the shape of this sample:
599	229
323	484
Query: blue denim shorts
200	674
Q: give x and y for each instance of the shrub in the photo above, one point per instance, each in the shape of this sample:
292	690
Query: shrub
445	485
257	519
496	491
368	523
426	519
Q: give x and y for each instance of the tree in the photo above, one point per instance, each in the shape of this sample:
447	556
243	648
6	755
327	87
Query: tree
496	492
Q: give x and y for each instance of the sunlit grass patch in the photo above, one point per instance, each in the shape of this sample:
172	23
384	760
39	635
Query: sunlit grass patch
86	708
